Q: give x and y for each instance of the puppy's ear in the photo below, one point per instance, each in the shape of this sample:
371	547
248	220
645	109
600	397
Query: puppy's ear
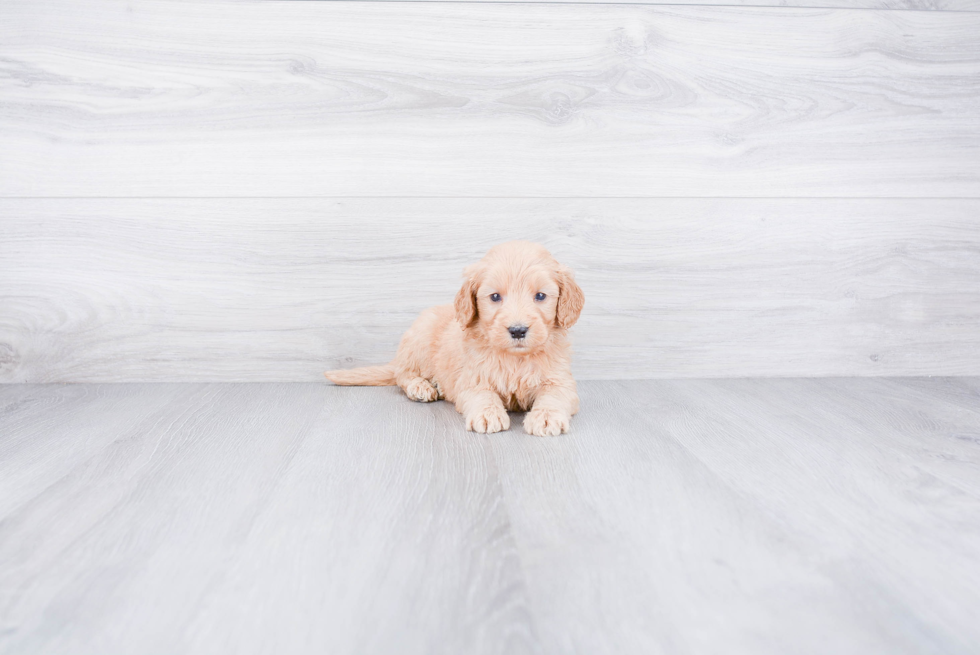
465	303
570	299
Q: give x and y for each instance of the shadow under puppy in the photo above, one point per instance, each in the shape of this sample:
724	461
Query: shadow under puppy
501	346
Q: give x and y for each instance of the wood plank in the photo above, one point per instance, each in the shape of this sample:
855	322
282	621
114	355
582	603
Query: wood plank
392	522
862	446
167	98
746	516
914	5
963	392
34	453
282	289
339	522
679	516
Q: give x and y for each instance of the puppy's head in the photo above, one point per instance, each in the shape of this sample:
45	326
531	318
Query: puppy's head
517	296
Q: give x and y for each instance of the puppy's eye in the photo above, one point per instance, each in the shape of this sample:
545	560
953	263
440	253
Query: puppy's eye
495	297
539	296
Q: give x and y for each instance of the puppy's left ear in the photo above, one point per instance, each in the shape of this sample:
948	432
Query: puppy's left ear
570	299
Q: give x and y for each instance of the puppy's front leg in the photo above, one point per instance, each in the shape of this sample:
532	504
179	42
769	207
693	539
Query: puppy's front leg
483	411
552	411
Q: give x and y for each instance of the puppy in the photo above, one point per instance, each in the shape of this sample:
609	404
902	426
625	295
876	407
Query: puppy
502	345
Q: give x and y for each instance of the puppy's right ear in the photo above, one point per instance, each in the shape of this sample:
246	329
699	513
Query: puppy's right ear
465	303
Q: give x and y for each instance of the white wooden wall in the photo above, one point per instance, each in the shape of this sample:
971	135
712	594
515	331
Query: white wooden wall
253	190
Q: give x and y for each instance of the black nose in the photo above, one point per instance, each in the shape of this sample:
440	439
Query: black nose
517	332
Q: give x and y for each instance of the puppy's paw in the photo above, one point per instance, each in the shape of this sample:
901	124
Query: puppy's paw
547	422
421	390
489	419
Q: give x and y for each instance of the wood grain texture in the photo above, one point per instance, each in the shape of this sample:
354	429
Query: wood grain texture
152	532
839	497
165	98
274	289
915	5
684	516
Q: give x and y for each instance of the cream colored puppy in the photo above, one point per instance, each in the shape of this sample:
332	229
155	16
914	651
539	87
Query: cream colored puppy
501	346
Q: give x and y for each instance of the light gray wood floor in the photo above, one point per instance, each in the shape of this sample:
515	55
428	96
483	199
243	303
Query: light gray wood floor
680	516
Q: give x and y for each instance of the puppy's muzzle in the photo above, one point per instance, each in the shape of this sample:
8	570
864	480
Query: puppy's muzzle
517	331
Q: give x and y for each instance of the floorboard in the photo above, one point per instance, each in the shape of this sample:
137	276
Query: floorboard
914	5
679	516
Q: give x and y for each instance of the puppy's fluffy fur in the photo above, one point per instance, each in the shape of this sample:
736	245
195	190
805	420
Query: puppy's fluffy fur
466	353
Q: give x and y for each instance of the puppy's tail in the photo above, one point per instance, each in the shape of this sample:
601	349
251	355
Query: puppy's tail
367	376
